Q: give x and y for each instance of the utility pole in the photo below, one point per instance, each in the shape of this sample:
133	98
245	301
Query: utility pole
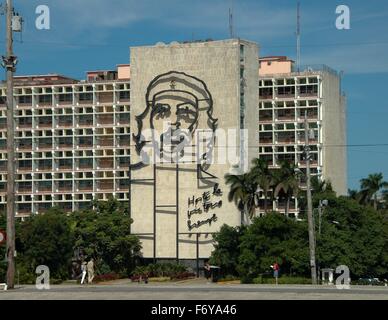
298	37
310	203
231	24
9	63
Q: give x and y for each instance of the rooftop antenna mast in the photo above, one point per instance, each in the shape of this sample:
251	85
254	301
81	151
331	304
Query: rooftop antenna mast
298	38
231	24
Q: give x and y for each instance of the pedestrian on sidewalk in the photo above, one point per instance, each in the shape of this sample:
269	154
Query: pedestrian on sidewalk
90	269
83	272
276	269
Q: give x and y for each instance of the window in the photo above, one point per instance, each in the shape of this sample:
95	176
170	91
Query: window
25	99
124	95
65	98
85	96
47	98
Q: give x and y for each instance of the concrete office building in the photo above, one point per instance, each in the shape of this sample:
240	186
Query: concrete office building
71	140
176	208
285	96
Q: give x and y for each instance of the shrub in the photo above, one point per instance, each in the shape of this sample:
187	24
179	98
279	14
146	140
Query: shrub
106	277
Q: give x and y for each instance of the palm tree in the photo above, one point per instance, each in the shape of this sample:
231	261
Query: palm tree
287	183
371	186
385	198
263	176
243	192
353	194
320	186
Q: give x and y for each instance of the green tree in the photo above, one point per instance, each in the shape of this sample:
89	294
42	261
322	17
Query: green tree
353	235
243	191
286	183
227	249
45	239
371	186
271	238
104	234
263	176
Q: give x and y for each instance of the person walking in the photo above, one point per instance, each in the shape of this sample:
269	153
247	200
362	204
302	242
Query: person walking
276	269
83	272
90	269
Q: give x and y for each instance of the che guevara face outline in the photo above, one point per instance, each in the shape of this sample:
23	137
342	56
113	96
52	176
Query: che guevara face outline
175	115
186	108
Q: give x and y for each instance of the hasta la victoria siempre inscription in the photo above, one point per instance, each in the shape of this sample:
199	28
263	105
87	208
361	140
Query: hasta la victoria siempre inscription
203	204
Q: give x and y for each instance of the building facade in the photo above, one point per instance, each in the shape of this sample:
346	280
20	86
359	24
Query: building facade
207	87
72	141
286	96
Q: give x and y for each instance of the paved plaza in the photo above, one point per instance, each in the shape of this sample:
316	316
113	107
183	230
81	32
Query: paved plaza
193	290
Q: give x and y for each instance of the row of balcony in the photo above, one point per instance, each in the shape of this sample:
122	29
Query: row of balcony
67	143
70	98
67	164
67	121
26	209
287	115
26	187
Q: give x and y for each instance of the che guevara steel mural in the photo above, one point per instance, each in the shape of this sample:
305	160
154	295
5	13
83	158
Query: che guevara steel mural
175	102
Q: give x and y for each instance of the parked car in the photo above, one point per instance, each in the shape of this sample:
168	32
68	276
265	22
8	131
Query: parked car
369	280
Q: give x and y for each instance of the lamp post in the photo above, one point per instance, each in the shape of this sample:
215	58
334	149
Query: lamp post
307	135
322	204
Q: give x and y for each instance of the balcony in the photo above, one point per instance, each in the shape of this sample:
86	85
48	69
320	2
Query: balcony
24	187
85	186
45	122
124	141
285	138
105	142
85	98
123	119
45	100
24	146
65	122
45	145
24	211
123	184
105	97
84	164
85	142
3	145
65	143
308	91
265	140
265	116
65	99
124	96
45	165
44	188
65	186
105	119
65	165
105	185
265	93
286	92
85	121
25	123
285	115
105	163
124	162
24	101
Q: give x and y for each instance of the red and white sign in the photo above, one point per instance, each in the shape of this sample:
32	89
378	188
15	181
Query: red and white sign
3	236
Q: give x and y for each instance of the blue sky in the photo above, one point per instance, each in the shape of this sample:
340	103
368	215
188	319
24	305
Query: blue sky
96	34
